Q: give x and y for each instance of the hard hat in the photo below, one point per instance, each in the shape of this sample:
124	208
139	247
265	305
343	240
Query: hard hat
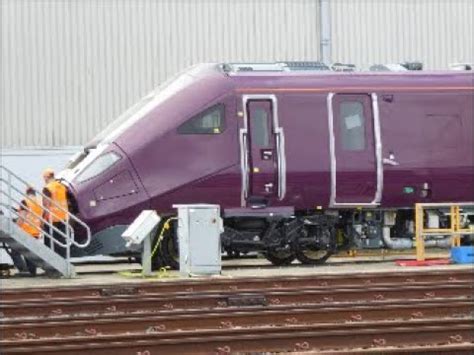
48	172
30	190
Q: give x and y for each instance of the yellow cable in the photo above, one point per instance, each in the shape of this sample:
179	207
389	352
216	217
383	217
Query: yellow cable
163	270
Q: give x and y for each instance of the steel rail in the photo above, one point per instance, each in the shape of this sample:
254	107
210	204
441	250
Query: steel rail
112	294
240	284
289	338
149	302
231	318
226	310
457	349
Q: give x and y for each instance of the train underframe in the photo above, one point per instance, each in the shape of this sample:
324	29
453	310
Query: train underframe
311	237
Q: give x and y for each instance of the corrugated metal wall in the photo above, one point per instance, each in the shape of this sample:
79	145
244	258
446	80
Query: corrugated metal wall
435	32
71	66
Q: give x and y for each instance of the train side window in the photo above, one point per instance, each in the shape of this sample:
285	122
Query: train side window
211	121
352	126
260	130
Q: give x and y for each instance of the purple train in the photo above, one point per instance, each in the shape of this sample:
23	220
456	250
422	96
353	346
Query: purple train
301	161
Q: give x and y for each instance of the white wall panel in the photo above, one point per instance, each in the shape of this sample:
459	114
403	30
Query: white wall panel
435	32
71	66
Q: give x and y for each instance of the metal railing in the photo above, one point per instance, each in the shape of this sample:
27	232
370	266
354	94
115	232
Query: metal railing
455	229
13	188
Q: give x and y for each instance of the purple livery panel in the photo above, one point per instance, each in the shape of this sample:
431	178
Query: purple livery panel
426	136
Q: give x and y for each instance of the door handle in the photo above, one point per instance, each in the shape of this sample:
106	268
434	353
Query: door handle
268	187
390	161
267	154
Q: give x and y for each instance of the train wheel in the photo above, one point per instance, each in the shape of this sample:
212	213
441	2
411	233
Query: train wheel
280	258
312	257
169	250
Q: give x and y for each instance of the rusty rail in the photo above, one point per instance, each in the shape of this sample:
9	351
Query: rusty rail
455	349
157	302
259	339
277	316
387	311
234	284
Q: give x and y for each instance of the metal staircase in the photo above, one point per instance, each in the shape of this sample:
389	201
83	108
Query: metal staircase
12	192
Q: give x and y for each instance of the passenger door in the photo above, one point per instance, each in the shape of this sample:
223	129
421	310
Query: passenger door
262	152
356	170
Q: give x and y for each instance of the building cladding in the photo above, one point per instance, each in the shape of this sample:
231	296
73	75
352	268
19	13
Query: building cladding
70	66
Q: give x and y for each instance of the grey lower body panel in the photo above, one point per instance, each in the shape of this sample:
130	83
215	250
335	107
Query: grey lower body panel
107	242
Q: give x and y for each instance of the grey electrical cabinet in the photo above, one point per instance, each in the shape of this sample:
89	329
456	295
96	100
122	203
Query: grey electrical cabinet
199	230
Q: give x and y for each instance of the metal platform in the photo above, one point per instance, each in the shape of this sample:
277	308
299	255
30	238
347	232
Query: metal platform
33	249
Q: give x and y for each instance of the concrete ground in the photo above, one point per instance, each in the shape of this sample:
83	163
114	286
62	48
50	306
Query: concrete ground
113	273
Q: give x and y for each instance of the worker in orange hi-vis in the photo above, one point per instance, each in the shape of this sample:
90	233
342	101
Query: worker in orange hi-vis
54	211
30	213
29	219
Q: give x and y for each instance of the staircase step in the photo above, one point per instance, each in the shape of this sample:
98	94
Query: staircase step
20	241
33	249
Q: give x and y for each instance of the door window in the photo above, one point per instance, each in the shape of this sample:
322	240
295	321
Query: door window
262	154
260	130
352	126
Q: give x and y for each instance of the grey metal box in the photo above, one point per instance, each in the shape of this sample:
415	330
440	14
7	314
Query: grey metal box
199	229
141	227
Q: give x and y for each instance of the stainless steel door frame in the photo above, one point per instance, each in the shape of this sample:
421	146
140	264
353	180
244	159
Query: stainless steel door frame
378	155
244	147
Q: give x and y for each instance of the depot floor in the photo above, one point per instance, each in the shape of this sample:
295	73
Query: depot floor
121	271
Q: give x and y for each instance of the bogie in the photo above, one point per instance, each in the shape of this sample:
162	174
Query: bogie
313	238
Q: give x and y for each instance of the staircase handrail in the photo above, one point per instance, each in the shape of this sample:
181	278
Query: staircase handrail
51	226
55	241
69	215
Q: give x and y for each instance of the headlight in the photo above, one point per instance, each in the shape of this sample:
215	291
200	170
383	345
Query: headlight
98	166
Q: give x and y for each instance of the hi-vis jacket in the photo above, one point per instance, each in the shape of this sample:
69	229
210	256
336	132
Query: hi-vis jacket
58	195
30	218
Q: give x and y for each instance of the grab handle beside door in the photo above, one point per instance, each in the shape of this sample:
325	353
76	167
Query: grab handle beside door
390	160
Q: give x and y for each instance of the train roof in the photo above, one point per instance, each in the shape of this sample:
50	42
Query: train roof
318	68
280	77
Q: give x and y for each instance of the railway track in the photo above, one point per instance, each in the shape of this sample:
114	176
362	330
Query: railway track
259	339
180	300
396	312
235	284
234	317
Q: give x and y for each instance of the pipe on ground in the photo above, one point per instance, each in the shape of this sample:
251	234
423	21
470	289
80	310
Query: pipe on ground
407	243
